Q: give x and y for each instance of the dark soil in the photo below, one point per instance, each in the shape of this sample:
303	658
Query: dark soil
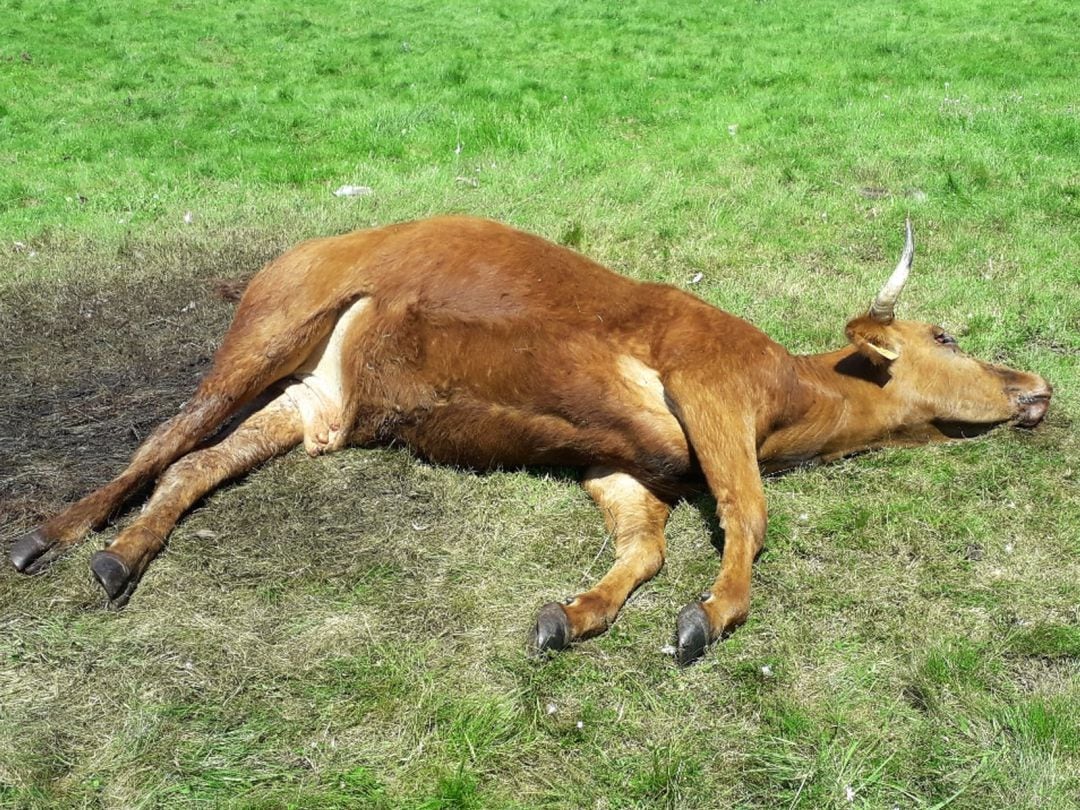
88	368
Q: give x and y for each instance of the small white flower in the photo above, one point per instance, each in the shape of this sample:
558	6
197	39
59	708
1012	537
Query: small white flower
804	517
188	217
580	724
1008	548
551	708
766	671
849	793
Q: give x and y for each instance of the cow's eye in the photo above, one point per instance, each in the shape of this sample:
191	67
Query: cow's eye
945	339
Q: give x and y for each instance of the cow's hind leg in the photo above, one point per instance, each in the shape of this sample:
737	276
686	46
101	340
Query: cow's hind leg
269	431
261	347
636	519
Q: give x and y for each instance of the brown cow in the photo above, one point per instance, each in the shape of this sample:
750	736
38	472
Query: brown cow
476	344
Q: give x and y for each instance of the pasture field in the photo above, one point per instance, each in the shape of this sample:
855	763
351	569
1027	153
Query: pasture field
349	631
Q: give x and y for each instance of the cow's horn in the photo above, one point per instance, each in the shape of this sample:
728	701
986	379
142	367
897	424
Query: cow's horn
885	303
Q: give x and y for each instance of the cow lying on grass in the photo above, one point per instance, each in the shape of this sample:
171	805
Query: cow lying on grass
479	345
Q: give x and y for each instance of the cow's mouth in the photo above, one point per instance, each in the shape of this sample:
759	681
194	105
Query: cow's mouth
1032	408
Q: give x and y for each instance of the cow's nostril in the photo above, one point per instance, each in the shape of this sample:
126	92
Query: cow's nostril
1031	399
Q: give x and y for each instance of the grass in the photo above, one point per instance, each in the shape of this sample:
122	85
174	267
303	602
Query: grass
348	632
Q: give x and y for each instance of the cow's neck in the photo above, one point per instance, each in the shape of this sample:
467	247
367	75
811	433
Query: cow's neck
841	404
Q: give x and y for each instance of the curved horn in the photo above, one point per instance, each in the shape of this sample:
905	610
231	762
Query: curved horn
883	306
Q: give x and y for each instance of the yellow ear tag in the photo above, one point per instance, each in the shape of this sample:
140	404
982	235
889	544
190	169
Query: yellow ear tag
888	354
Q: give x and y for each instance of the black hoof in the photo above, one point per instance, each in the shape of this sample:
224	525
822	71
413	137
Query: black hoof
114	575
28	549
692	629
552	630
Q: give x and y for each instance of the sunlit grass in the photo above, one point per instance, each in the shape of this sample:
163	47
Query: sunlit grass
349	631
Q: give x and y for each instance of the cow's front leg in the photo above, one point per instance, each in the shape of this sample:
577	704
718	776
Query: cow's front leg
636	518
741	510
720	425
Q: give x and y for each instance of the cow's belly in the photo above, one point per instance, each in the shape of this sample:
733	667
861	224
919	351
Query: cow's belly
485	435
621	420
466	394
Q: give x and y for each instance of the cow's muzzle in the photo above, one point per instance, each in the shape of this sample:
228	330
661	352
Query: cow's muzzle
1032	407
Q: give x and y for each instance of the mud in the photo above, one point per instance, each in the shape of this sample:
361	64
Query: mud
88	368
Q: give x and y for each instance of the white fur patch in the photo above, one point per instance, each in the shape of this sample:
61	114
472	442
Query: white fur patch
650	400
319	390
646	379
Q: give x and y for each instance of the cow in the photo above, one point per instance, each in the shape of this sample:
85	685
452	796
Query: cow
475	344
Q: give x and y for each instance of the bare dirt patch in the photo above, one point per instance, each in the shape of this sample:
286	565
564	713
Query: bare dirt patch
90	365
88	368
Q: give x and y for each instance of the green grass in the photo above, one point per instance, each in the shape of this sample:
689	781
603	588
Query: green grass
348	631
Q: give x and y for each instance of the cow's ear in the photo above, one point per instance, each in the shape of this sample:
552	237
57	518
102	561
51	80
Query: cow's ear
873	340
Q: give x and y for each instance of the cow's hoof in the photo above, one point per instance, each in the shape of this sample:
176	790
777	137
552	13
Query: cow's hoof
692	629
552	630
114	575
26	555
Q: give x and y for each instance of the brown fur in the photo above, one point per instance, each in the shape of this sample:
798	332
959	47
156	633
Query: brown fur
479	345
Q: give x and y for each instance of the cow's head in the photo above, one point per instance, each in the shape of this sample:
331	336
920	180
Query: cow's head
938	389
